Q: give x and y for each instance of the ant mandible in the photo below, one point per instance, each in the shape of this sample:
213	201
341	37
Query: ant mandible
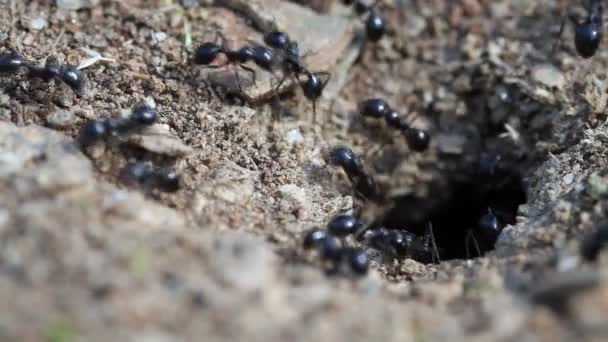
587	34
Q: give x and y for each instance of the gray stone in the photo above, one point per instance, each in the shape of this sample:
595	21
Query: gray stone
243	262
61	119
76	4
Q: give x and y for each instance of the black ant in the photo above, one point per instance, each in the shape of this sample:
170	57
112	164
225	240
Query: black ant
144	173
342	258
418	140
208	52
374	24
292	66
363	183
587	34
69	74
594	242
100	129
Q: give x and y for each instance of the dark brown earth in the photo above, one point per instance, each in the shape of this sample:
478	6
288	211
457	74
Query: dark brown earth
86	257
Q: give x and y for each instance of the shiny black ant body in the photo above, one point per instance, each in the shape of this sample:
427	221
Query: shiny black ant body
144	173
418	140
69	74
374	24
363	183
587	34
101	129
12	62
292	65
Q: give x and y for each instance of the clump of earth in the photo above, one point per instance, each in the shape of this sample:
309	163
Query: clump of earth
85	255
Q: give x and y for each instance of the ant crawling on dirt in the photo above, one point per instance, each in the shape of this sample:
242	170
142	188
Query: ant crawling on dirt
69	74
345	158
101	129
331	244
291	63
208	52
374	24
469	208
587	34
418	140
144	173
341	258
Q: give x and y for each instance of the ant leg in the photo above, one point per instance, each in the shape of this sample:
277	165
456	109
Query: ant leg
471	236
433	242
251	71
476	244
558	38
238	80
324	74
278	87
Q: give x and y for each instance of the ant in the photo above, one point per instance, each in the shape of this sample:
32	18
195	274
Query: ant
69	74
143	173
292	65
374	25
208	52
587	34
418	140
101	129
593	243
341	257
363	183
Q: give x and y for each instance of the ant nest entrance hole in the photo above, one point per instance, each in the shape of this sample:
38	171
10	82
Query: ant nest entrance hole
476	194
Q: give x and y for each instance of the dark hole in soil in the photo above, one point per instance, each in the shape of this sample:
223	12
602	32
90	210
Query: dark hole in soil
455	212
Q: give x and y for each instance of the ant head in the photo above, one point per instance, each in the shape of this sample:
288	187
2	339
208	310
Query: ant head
418	140
72	77
206	53
343	225
360	7
344	157
137	171
358	260
262	57
375	108
313	237
277	40
144	115
489	226
313	86
246	54
587	37
168	180
374	26
92	132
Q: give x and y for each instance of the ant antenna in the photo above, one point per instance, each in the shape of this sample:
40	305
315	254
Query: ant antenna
433	242
471	236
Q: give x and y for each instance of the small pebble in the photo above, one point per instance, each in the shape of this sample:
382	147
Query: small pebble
38	23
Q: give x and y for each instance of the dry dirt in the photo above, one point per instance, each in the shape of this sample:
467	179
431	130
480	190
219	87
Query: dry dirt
86	257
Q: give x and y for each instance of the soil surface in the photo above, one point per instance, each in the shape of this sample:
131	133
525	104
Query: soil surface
86	255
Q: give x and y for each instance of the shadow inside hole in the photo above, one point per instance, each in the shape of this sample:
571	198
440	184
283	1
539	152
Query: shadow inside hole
454	210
